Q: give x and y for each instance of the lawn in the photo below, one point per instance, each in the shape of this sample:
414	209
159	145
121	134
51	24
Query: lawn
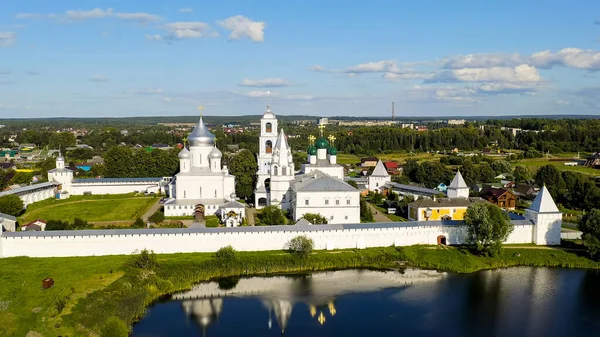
89	208
536	163
401	157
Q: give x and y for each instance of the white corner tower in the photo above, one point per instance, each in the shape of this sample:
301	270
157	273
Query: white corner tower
378	177
546	217
458	188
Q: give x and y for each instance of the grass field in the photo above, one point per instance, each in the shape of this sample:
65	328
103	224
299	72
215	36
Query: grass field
345	158
89	208
90	290
536	163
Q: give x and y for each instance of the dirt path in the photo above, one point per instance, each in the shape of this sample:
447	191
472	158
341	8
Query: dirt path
377	215
250	216
155	207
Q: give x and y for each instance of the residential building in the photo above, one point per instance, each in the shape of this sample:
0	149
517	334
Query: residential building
500	197
368	162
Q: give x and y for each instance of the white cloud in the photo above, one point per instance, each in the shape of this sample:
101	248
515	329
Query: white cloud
265	83
483	61
407	76
28	16
99	78
152	91
7	39
242	27
316	68
256	94
521	73
95	13
184	30
186	10
567	57
387	66
139	17
32	73
99	13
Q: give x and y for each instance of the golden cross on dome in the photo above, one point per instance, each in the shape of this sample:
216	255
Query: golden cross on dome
321	318
311	139
331	139
184	141
321	129
201	109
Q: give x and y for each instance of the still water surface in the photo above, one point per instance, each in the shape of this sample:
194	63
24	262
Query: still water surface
507	302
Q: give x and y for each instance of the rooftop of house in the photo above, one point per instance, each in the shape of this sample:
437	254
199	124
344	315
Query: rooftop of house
446	202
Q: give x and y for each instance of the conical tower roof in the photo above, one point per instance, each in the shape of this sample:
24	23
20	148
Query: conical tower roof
380	170
543	202
458	182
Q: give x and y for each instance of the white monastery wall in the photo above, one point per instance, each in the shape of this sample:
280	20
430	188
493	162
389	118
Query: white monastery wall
113	188
90	243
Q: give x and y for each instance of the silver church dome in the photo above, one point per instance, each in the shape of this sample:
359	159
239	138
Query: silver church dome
215	154
201	135
185	154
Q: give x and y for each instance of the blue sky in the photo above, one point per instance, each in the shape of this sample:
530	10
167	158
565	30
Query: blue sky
433	58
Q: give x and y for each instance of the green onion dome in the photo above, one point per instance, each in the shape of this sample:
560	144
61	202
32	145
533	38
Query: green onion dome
322	143
332	151
312	150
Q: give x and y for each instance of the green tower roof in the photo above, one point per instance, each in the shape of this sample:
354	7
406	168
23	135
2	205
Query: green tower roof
332	151
312	150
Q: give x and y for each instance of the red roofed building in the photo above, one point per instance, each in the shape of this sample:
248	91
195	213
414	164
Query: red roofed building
391	167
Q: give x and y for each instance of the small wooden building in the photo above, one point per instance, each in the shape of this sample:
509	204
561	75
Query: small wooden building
500	197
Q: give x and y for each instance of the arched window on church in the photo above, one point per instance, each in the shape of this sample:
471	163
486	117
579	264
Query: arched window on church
269	127
283	170
275	171
269	146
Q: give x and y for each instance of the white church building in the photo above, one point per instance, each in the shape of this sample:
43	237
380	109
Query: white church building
203	182
318	187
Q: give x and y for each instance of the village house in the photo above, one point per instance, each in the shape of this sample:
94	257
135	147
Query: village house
392	167
368	162
500	197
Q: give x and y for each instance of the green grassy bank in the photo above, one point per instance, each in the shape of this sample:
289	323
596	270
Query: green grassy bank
93	294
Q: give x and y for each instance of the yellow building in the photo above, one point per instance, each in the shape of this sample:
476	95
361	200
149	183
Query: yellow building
440	209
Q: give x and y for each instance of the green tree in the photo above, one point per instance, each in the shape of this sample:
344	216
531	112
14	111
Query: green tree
391	196
522	174
4	179
61	140
114	327
57	225
501	166
488	227
11	204
469	172
550	176
315	219
157	217
119	163
366	215
21	178
590	227
301	246
243	166
411	169
431	174
377	198
486	173
270	216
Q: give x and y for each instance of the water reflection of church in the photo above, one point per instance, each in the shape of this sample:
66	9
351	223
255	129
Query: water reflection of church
281	295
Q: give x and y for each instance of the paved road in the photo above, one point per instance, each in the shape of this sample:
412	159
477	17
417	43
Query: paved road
377	215
155	207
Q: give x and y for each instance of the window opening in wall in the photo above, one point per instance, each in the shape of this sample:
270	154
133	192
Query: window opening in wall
326	202
348	202
306	202
337	202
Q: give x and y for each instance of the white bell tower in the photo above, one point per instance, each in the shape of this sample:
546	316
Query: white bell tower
267	140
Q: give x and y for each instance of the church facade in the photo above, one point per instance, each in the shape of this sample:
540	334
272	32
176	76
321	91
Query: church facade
202	182
318	187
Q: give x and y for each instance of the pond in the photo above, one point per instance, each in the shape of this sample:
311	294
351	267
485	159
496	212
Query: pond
505	302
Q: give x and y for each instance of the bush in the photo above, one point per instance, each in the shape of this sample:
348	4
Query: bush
301	246
315	218
157	217
114	327
145	260
139	223
226	253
